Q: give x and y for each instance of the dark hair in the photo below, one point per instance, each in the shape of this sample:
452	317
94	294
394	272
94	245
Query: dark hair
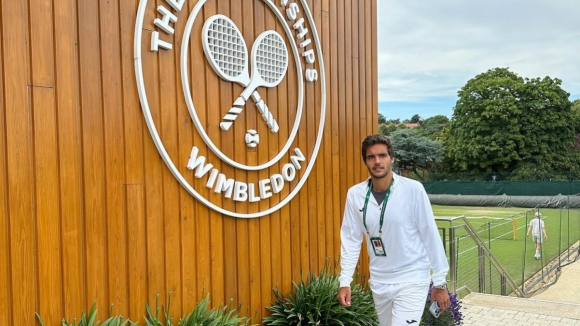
377	139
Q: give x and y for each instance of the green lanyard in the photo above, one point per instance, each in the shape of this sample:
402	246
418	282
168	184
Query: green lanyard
383	208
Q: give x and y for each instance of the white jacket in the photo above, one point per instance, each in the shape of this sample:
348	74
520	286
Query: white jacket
410	235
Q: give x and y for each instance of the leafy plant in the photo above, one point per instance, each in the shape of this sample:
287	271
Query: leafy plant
450	317
200	316
315	302
89	320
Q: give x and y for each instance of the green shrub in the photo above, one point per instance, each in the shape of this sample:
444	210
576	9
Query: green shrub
200	316
89	320
315	302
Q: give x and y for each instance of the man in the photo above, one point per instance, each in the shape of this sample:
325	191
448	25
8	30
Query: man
402	239
535	226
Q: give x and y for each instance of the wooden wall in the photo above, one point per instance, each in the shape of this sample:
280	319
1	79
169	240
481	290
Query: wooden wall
89	212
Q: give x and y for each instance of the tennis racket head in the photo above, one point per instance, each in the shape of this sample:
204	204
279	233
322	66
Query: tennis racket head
269	58
225	49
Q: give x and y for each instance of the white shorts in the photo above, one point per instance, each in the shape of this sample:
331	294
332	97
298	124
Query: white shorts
399	304
538	238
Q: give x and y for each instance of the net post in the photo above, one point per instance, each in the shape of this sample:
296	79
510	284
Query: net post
503	285
481	256
452	260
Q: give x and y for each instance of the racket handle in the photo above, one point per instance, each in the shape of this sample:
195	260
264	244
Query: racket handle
266	114
230	117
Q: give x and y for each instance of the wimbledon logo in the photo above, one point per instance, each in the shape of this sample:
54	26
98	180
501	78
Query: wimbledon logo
258	111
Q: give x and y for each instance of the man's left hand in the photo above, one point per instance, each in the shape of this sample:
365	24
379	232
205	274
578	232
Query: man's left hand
442	297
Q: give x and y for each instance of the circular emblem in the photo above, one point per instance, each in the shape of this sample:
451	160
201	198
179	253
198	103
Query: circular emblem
253	94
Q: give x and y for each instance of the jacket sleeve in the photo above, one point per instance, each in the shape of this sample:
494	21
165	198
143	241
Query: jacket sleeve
430	237
351	239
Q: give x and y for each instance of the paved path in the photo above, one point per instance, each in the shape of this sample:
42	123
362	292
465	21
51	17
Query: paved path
559	305
567	288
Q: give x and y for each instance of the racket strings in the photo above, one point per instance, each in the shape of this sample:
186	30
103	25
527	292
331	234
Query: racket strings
272	58
227	47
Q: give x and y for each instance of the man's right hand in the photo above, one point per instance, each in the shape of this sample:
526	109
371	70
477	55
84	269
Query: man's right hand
344	296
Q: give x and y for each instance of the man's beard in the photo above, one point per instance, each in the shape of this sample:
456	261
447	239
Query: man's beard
380	176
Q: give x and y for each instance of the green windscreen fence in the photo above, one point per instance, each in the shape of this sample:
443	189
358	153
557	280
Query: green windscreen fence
510	188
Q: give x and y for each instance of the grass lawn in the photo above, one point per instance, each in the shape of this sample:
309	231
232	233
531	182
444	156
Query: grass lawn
494	225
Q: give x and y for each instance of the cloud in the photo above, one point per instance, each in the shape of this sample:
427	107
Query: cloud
430	49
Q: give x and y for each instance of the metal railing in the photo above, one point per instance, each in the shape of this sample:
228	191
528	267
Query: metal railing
483	253
497	258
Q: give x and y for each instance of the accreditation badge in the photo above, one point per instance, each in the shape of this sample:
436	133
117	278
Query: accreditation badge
378	246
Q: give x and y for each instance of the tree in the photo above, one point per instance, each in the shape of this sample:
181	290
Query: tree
546	126
502	122
415	119
575	148
576	116
387	129
433	127
382	119
415	153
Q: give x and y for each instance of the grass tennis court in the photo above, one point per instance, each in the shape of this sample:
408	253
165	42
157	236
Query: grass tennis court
504	231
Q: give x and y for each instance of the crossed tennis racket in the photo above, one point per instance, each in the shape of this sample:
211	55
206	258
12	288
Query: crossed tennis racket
227	53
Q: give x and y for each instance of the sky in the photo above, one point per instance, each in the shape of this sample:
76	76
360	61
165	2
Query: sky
429	49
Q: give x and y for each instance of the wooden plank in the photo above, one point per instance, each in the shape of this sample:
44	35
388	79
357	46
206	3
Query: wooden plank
189	291
282	270
153	177
46	163
136	249
362	42
200	66
356	105
240	155
70	157
306	263
309	189
203	249
95	231
263	21
321	215
135	129
342	117
134	134
250	32
114	157
216	266
325	180
5	259
19	162
368	66
374	67
169	87
295	234
226	249
47	203
368	60
334	112
236	229
362	130
331	211
348	80
243	258
41	44
274	146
